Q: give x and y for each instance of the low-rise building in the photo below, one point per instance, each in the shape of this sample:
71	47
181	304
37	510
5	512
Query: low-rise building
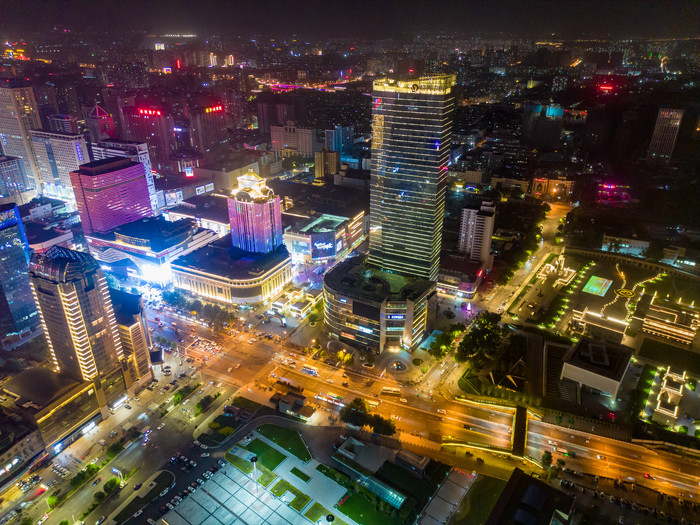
324	238
294	404
208	211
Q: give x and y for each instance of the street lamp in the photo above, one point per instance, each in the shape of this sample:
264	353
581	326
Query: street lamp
254	460
330	518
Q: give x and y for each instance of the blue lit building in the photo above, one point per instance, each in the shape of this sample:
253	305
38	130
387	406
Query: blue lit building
18	313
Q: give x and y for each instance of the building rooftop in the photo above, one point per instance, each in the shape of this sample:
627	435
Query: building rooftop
60	264
173	181
355	278
323	223
600	358
151	232
126	305
222	259
528	501
211	207
98	167
39	386
38	233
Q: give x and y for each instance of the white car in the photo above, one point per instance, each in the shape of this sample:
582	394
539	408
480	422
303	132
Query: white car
160	426
205	454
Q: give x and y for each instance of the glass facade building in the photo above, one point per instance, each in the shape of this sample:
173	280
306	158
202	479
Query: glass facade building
18	115
18	313
411	126
13	178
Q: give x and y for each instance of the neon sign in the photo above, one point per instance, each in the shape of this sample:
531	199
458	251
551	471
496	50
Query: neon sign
155	112
214	109
323	245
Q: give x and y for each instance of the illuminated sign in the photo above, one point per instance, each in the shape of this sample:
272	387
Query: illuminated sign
396	316
200	190
365	330
154	112
323	245
160	47
343	300
214	109
189	172
167	70
607	89
87	428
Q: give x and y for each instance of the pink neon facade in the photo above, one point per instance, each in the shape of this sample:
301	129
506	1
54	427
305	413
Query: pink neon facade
110	193
256	225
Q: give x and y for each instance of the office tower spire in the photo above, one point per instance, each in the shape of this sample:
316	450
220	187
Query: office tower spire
411	123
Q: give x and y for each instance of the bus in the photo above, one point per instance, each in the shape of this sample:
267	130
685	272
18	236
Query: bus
372	403
335	399
390	391
309	370
564	452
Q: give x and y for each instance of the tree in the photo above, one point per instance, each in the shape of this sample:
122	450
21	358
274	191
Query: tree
64	522
312	317
355	413
111	485
561	462
345	357
99	496
546	459
27	521
13	365
381	425
484	337
51	501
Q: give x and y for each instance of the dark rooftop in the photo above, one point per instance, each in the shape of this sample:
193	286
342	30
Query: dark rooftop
126	305
528	501
222	259
154	232
600	358
173	181
38	233
99	167
211	207
38	385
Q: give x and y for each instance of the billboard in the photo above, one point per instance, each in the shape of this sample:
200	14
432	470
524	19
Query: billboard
323	245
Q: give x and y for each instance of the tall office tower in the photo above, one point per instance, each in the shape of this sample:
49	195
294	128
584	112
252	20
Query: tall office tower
110	193
76	310
155	128
116	101
411	125
13	178
63	124
475	231
18	312
326	163
18	116
341	138
209	132
663	140
46	101
265	103
255	215
67	97
293	140
133	332
57	155
100	124
285	112
136	151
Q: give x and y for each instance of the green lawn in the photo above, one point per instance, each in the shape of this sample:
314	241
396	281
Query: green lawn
287	438
300	499
479	501
317	511
331	473
162	480
299	474
267	477
241	464
268	456
666	354
358	509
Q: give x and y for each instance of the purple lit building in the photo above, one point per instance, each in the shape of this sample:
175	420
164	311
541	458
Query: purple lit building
109	193
255	215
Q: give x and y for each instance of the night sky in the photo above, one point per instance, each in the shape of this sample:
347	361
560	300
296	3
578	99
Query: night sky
361	18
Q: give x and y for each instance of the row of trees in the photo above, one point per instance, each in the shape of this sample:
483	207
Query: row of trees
213	313
442	343
480	343
357	413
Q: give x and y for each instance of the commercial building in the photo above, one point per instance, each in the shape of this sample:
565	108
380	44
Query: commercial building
64	124
542	126
208	211
255	215
145	248
57	155
18	116
225	273
18	313
133	334
668	319
663	140
100	124
76	312
209	131
129	149
172	190
409	172
596	365
340	139
13	178
110	193
154	126
326	164
225	174
324	238
553	188
475	231
375	309
41	237
292	140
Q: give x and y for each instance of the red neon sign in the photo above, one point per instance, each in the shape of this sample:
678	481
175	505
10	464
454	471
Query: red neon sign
177	63
214	109
154	112
606	88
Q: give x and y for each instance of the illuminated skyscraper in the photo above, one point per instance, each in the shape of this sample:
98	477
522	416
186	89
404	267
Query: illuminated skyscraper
13	178
109	193
255	215
411	126
18	312
668	122
18	116
154	127
57	154
209	132
76	310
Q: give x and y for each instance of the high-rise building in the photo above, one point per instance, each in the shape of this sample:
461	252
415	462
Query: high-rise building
293	140
133	332
110	193
116	101
13	178
476	230
136	151
76	311
411	126
255	215
209	132
46	101
57	155
326	163
18	312
63	124
341	138
100	124
18	116
155	128
663	140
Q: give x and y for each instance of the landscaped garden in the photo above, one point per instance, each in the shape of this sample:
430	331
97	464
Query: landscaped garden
267	456
300	499
288	439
